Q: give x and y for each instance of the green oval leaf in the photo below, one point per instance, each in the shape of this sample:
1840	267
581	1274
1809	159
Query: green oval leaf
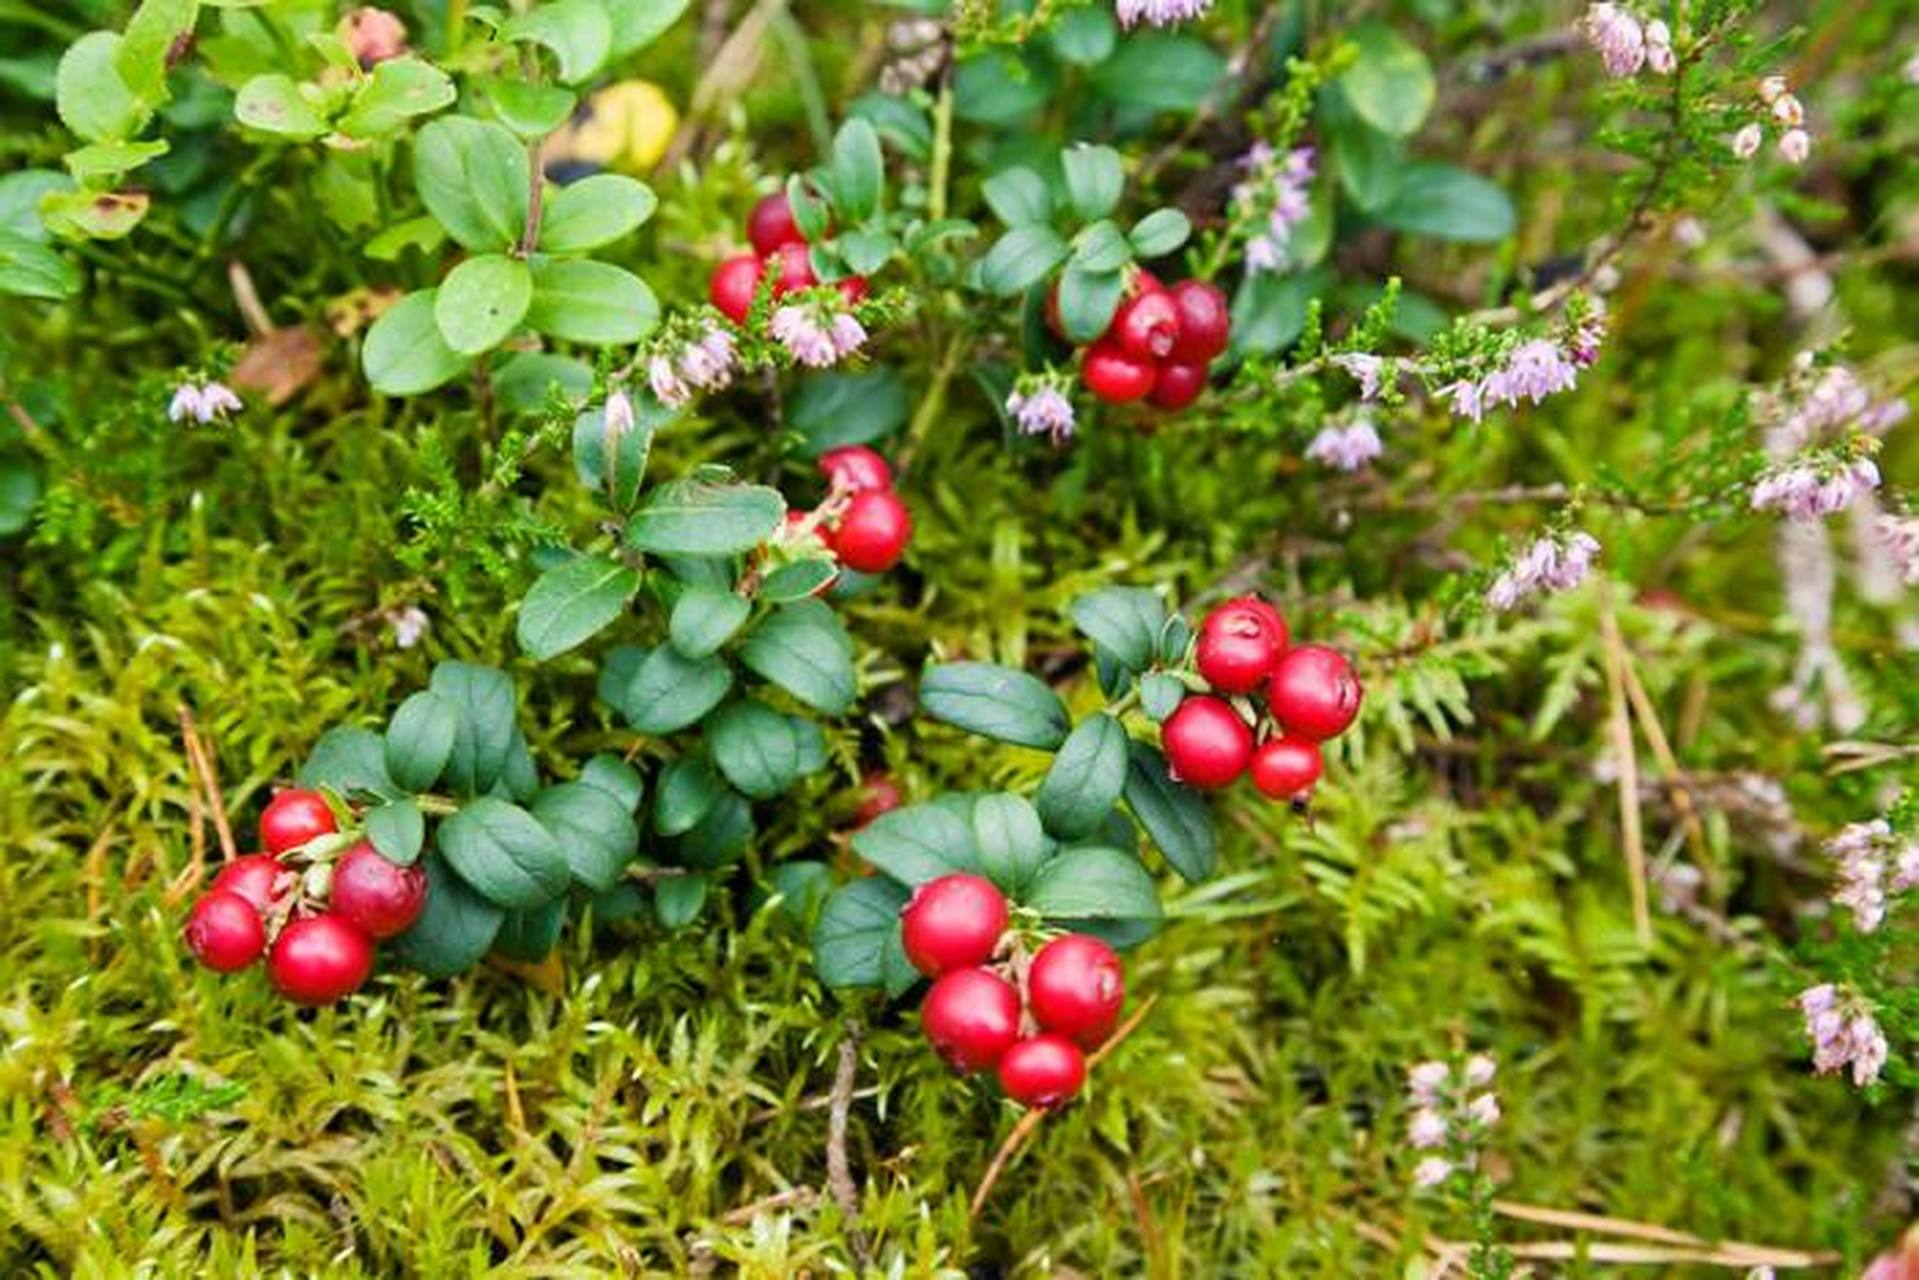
754	747
274	104
1086	779
854	930
504	853
472	174
1390	83
1100	883
572	602
1175	817
594	829
456	928
1022	258
696	517
419	740
918	843
481	301
804	649
995	702
595	211
1125	622
397	830
704	618
1094	180
404	353
668	692
590	302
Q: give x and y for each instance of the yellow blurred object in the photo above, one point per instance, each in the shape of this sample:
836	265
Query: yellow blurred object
624	127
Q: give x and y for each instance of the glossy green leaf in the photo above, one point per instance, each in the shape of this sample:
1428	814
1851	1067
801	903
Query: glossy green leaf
573	602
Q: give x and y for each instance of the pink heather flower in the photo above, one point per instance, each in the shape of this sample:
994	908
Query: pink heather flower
1905	868
809	342
1788	111
1844	1033
1551	563
1466	399
202	402
1659	55
1480	1070
1745	143
1042	410
1689	232
410	625
709	361
1535	370
1771	89
668	387
1425	1081
1346	448
373	35
1586	340
1865	853
1365	369
849	335
1618	37
1426	1129
1795	145
1483	1110
1801	492
1279	192
617	417
1159	13
1432	1171
1900	537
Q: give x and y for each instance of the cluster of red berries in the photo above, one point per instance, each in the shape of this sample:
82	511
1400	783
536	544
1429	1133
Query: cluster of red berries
1159	345
1311	695
314	918
779	250
862	522
1035	1028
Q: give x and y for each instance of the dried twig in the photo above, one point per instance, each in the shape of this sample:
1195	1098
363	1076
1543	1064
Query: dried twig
1627	759
839	1173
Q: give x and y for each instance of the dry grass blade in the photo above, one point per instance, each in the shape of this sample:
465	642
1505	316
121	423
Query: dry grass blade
1753	1255
1627	758
839	1171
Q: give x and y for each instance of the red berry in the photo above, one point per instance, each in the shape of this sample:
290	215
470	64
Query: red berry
1178	385
734	284
855	467
1043	1071
319	960
853	289
1205	322
258	877
1314	693
971	1017
879	794
1286	767
1207	744
771	225
872	532
1237	648
294	817
1145	281
951	923
1114	376
1076	987
793	268
224	932
1147	326
377	897
1273	617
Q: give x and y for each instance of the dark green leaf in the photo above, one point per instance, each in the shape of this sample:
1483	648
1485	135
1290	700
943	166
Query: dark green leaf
918	843
488	729
835	409
419	740
349	760
1022	258
689	788
573	602
669	691
1086	779
505	853
1449	203
677	900
859	173
696	517
398	830
1160	232
754	747
473	177
455	929
1088	301
1175	817
617	778
996	702
631	450
1094	883
1094	180
1018	197
1161	72
1160	694
704	618
1101	247
1010	841
1085	37
850	940
530	936
1124	621
804	649
595	831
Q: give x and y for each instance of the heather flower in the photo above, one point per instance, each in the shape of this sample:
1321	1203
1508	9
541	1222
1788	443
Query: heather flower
1466	399
1426	1129
202	402
849	335
1532	371
668	387
1618	37
1552	563
1425	1081
1795	145
1365	369
1346	448
709	361
1452	1112
1484	1110
1788	110
1771	89
410	625
1431	1171
1480	1070
1745	143
1809	490
1041	408
1844	1033
1276	193
1659	54
1159	13
617	417
815	338
1872	863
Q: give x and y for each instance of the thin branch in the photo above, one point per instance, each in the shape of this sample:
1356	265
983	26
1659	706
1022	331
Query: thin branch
839	1172
1626	758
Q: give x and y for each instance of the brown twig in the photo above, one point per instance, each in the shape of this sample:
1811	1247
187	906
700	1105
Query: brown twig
1627	759
1675	777
839	1172
1033	1118
200	759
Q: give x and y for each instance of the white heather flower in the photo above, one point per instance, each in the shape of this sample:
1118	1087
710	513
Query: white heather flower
1484	1110
1618	37
666	382
1788	111
1432	1171
1365	369
1159	13
1042	410
804	337
1346	448
1745	143
1426	1129
1795	145
410	625
1806	491
709	361
1771	89
1659	55
1425	1081
617	416
849	335
202	402
1480	1070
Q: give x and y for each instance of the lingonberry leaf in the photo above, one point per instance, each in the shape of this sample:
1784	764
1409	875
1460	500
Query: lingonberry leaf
1010	840
1094	180
1175	817
1085	37
529	936
1160	694
29	269
350	761
836	409
995	702
91	96
1123	621
1022	258
488	731
617	778
594	303
754	748
594	212
1159	233
798	580
696	517
404	353
704	618
572	602
455	929
855	926
595	831
677	900
1101	247
481	301
1390	83
859	171
398	830
578	32
804	649
1159	71
803	886
1018	197
689	788
1088	301
669	691
399	90
472	175
631	451
148	43
638	23
530	110
718	839
918	843
1086	779
1449	203
1093	882
273	103
506	854
420	738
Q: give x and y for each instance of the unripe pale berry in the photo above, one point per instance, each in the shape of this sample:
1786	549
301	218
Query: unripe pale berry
1237	648
953	922
1042	1071
293	817
792	268
855	467
734	284
1205	322
1076	987
1286	767
872	532
378	897
257	877
771	225
1114	376
224	932
971	1018
1146	326
1207	744
319	960
1314	693
1177	386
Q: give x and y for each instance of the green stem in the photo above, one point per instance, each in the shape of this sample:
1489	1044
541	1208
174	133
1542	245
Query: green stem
942	147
